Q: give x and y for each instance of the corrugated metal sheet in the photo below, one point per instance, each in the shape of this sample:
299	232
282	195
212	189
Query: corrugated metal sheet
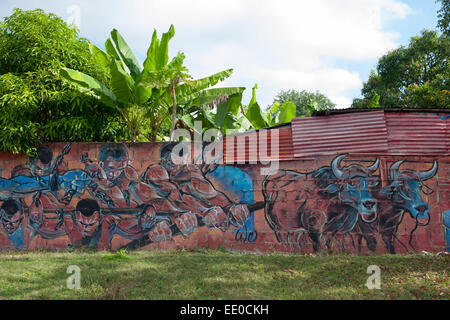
417	133
412	133
447	132
354	132
246	147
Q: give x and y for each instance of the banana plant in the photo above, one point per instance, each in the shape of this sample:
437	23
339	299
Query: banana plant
277	114
215	108
148	96
134	90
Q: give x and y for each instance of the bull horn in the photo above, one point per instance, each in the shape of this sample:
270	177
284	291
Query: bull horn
375	165
335	166
430	173
393	170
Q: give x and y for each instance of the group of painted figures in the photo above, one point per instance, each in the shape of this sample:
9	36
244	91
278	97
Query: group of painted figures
108	199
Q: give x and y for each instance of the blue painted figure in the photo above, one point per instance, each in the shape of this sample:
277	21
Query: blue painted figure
447	230
237	182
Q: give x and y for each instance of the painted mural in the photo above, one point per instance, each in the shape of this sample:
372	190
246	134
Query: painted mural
108	203
109	198
334	203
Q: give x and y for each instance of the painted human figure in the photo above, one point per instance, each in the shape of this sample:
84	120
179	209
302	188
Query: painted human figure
87	227
116	184
447	230
63	185
188	188
41	165
13	224
45	208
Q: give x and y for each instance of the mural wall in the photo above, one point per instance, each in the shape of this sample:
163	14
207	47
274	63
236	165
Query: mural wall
114	196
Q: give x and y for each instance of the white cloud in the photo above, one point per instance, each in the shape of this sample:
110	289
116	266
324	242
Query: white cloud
281	45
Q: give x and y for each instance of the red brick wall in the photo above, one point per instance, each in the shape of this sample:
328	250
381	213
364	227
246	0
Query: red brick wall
194	206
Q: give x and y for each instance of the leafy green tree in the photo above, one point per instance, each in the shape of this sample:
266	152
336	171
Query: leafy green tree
416	76
444	17
305	101
36	105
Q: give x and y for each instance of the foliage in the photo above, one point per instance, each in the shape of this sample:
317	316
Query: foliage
146	96
416	76
278	113
444	17
36	105
305	101
231	116
375	101
130	91
121	255
214	107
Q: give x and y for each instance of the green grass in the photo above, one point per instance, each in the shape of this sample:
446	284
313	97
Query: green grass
216	274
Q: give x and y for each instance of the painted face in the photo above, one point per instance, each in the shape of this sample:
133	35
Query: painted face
87	225
41	169
36	219
409	195
356	194
172	160
113	167
407	187
166	161
10	223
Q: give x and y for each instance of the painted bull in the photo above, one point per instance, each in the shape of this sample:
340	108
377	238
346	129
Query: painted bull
320	203
404	194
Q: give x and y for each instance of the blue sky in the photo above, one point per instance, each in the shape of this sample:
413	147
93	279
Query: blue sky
323	45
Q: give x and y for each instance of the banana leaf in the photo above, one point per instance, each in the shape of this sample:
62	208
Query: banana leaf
162	57
85	81
287	112
209	95
227	111
112	51
194	86
150	61
254	113
127	55
121	83
101	57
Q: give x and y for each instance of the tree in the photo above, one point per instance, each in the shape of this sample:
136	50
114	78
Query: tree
305	101
132	89
154	98
416	76
36	104
444	17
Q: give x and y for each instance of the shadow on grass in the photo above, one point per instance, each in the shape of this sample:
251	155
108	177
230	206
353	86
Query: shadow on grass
220	275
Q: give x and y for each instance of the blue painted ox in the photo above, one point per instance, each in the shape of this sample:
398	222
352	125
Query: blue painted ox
404	194
320	203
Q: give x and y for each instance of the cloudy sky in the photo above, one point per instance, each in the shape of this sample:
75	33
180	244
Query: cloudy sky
328	46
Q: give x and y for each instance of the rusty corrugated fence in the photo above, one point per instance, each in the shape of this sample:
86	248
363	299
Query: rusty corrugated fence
381	132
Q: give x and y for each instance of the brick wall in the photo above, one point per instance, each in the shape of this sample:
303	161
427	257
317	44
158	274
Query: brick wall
112	196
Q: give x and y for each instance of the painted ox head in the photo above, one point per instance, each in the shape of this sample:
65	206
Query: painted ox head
406	189
354	183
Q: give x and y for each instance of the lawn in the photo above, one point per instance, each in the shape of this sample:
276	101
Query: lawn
216	274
